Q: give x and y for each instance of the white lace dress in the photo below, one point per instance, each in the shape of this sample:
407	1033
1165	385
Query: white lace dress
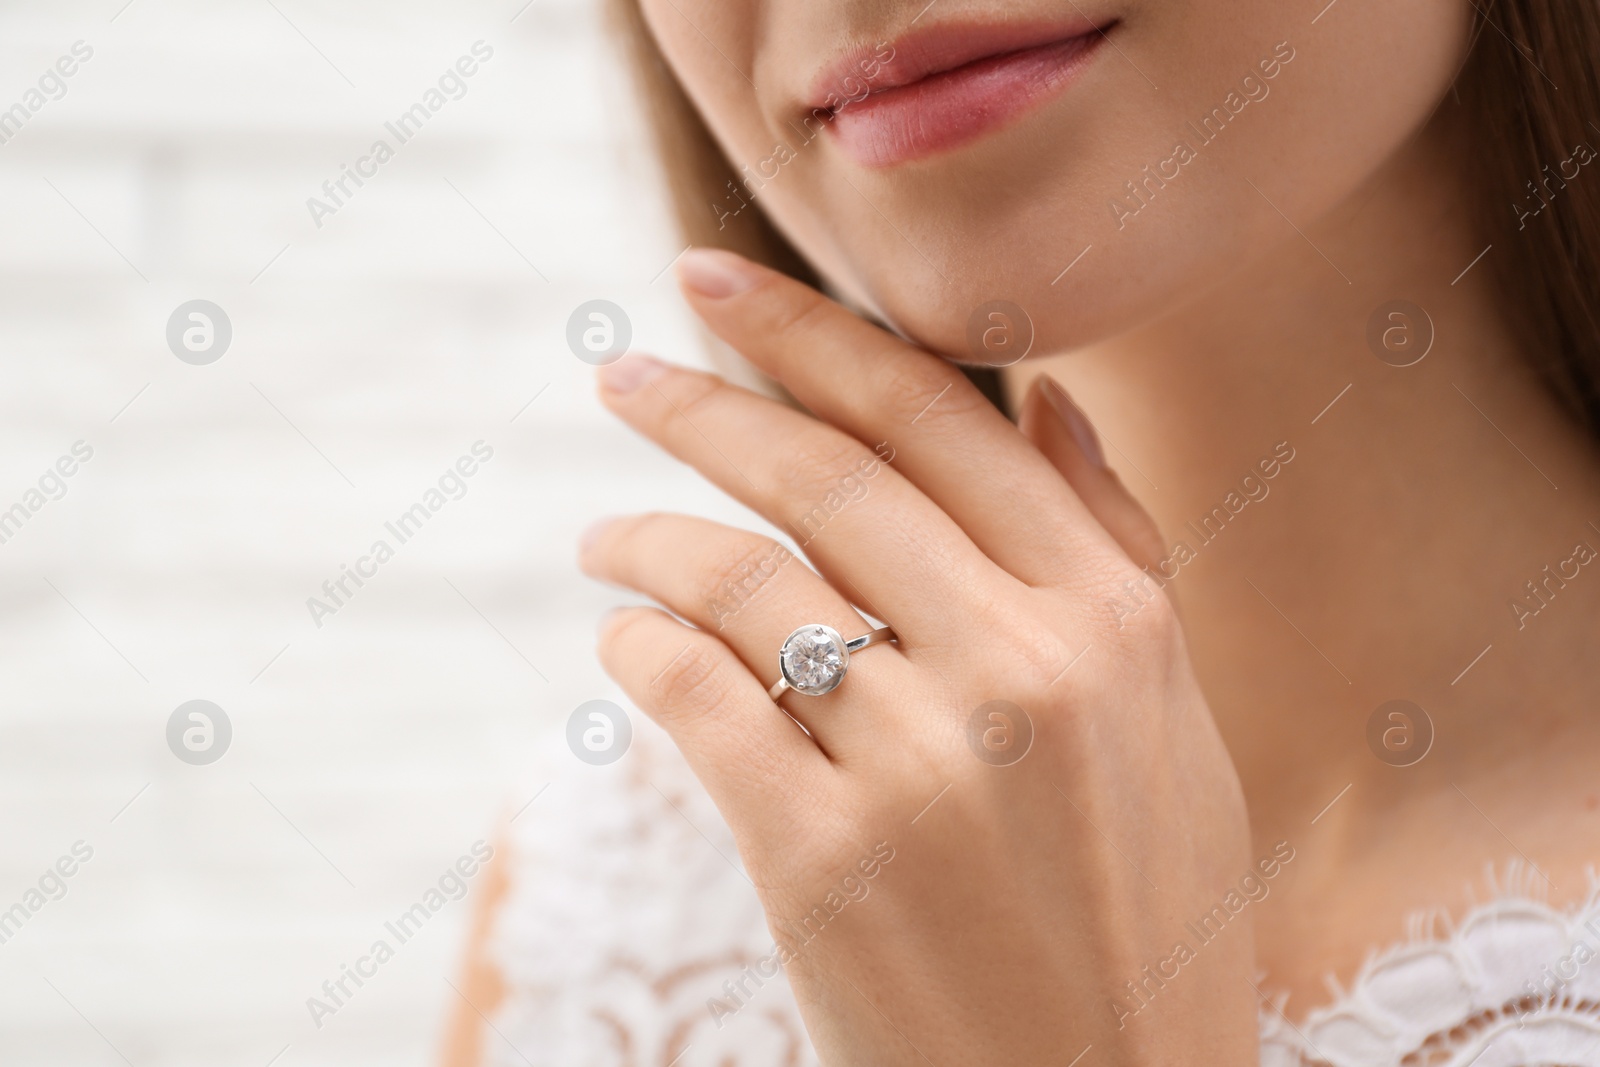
628	913
1515	983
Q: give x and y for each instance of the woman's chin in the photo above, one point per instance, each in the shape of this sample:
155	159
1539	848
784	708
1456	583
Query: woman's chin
974	328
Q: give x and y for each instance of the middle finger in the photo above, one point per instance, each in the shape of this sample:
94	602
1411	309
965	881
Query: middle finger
868	530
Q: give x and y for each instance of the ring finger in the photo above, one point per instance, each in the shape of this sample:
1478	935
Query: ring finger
752	592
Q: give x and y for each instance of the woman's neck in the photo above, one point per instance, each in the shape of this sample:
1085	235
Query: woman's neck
1384	558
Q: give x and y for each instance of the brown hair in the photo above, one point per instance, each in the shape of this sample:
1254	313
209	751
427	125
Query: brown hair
698	174
1530	97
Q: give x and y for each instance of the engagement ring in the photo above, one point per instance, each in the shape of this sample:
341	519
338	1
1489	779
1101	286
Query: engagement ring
814	658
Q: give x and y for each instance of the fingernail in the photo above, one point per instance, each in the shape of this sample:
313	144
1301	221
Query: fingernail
1077	424
631	373
591	534
717	274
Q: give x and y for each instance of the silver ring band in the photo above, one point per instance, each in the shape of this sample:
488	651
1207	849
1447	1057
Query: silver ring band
814	658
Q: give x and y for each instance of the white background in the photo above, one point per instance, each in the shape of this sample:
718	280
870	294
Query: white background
366	358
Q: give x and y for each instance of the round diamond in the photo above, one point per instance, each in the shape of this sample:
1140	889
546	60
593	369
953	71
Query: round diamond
813	659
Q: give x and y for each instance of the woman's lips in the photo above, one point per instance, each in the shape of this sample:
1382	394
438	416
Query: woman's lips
939	91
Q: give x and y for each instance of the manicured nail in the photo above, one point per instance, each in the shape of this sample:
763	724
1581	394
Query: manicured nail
591	535
631	373
1077	423
717	274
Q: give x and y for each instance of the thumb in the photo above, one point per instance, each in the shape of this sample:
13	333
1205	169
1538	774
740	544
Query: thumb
1059	429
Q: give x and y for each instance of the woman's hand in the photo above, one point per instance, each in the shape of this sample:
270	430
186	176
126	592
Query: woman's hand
988	844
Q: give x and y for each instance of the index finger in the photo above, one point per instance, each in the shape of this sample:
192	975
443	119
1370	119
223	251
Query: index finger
947	438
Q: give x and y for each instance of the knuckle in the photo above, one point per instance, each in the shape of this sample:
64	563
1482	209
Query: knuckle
1032	653
1155	623
815	461
796	313
692	684
1039	656
742	560
932	396
693	392
1141	619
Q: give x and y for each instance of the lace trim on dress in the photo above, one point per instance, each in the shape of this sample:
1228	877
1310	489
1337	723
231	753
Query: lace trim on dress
630	934
1515	984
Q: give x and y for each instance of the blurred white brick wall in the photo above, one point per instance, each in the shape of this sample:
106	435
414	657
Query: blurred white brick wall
178	564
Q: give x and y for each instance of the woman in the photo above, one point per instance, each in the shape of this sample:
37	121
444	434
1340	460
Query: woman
1266	626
